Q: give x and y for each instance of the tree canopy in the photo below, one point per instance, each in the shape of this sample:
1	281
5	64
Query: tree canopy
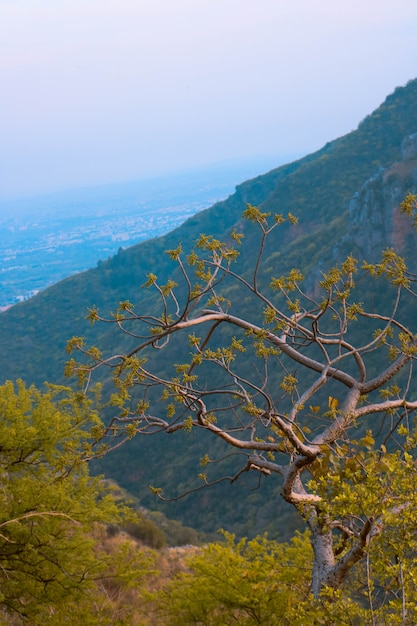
312	387
239	581
51	565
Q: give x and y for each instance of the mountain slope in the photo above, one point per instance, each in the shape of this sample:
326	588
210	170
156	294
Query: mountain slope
320	189
316	188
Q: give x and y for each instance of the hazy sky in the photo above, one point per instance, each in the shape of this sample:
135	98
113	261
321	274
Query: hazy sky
106	90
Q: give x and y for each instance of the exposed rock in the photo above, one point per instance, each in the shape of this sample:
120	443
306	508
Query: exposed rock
409	148
375	218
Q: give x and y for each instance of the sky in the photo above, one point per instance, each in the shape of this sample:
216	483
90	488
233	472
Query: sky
101	91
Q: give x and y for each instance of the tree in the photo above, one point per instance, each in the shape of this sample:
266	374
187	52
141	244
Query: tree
238	582
312	385
50	560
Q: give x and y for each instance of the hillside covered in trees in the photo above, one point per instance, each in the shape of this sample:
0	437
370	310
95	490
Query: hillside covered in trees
345	197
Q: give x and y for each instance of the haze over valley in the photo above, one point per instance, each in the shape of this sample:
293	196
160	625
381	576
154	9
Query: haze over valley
46	239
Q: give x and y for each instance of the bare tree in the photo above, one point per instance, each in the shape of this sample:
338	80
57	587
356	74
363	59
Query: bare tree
297	383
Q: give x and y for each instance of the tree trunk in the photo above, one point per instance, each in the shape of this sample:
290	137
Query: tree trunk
327	571
324	559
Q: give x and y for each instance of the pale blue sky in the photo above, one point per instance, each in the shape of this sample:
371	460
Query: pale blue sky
108	90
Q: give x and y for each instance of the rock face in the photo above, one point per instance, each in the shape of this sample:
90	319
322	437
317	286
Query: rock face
375	217
409	148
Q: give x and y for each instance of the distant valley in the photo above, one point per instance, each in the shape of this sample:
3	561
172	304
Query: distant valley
46	239
36	252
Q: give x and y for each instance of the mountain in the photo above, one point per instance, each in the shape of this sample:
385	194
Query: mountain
346	197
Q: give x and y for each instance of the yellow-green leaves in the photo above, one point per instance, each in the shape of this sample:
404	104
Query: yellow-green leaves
125	306
409	207
269	314
151	280
49	503
333	403
251	408
204	460
288	282
368	440
350	266
93	315
237	344
75	343
187	424
408	344
392	391
289	383
247	581
354	310
174	254
218	249
253	214
238	237
392	267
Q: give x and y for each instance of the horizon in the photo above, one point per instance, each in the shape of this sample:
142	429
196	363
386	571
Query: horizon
102	93
231	171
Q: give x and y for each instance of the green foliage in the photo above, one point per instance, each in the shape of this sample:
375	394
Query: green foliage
116	597
264	582
392	266
409	207
49	505
246	582
365	482
146	531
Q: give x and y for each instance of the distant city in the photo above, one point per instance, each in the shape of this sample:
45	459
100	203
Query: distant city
44	240
35	253
48	238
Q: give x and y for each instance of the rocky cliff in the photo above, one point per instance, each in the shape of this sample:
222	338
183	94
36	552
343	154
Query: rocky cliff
375	218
